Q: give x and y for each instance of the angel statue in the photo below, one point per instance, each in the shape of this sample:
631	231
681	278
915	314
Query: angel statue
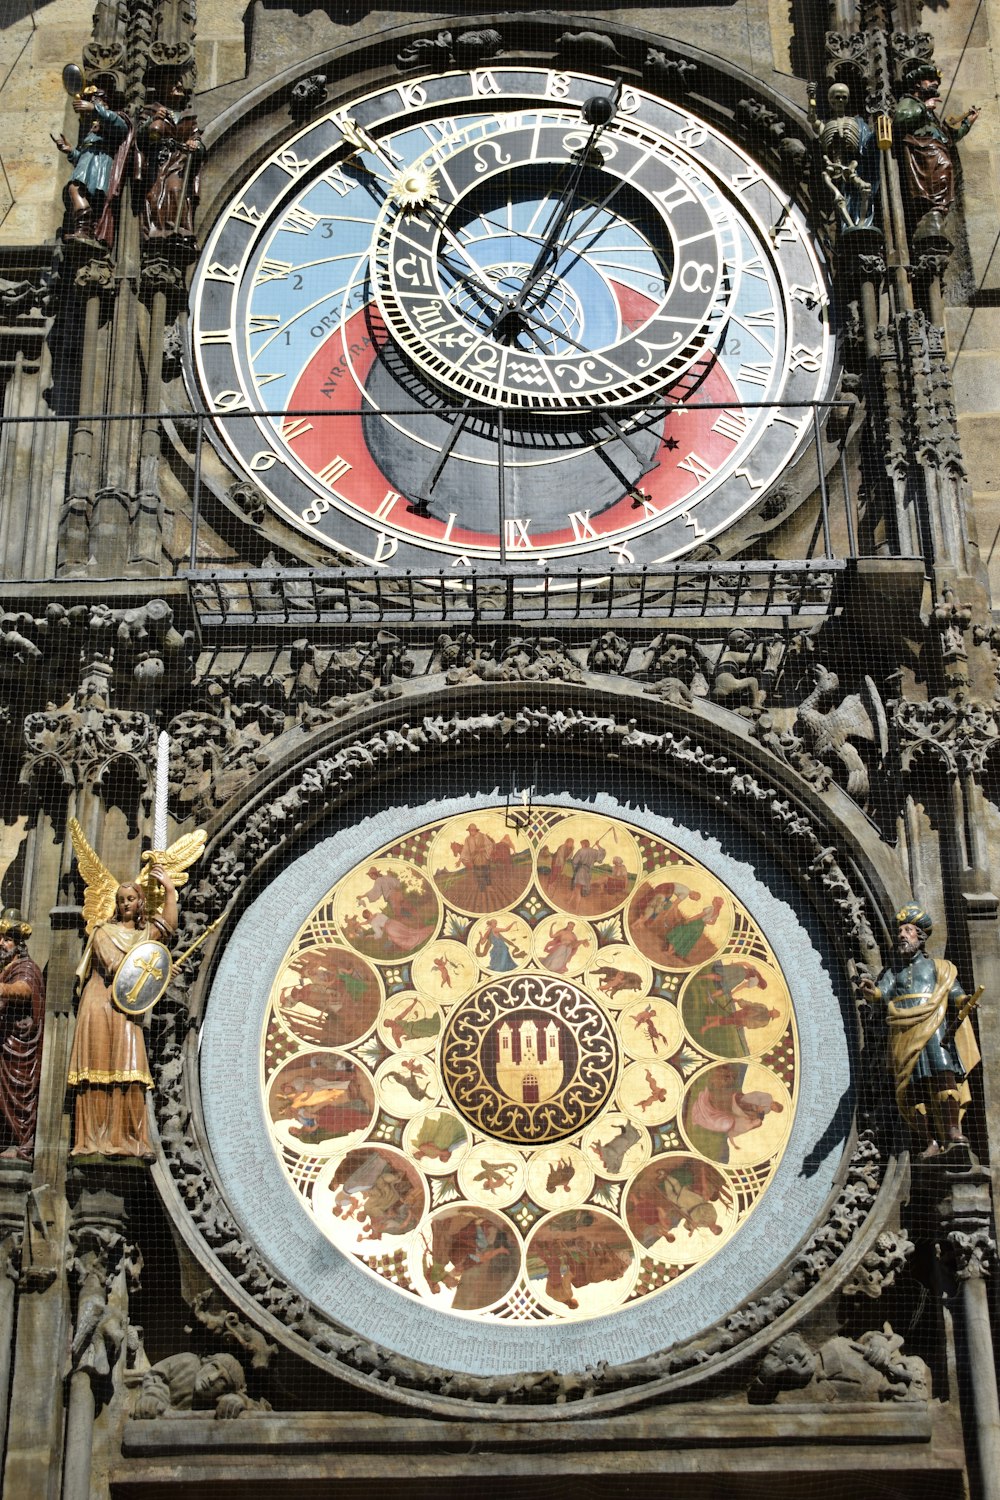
108	1065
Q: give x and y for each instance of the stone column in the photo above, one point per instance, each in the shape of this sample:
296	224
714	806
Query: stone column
966	1221
163	286
10	1251
93	281
101	1263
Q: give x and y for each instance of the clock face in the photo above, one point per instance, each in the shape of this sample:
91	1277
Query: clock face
510	315
523	1094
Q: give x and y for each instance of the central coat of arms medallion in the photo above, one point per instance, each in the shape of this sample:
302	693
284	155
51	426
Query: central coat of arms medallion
529	1059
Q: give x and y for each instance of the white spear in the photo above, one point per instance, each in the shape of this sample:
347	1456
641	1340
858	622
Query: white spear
160	790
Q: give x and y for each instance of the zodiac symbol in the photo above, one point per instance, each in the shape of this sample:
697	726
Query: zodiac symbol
525	374
502	157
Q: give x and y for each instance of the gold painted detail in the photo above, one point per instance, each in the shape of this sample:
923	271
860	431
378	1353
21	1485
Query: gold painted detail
414	187
109	1079
531	1072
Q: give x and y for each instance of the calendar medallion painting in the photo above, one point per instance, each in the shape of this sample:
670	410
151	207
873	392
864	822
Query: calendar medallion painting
515	1066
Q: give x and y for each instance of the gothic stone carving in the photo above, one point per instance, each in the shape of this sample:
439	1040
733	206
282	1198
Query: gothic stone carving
306	96
879	1266
870	1368
466	50
188	1382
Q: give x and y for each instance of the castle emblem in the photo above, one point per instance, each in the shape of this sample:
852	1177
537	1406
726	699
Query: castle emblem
529	1066
529	1059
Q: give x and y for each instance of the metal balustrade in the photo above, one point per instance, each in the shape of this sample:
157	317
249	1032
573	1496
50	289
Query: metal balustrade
117	447
676	591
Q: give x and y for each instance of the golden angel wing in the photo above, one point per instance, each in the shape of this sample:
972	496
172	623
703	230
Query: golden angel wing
182	853
100	885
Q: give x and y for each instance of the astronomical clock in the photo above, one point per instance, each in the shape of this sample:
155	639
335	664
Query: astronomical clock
510	315
522	1090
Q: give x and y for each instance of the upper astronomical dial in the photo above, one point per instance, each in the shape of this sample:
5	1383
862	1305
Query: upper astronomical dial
474	276
452	322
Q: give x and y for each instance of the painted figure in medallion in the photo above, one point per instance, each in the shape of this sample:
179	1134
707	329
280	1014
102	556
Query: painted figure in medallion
578	1249
379	1191
583	861
613	1151
560	948
591	868
726	1008
473	1255
932	1047
678	1194
322	1098
612	981
334	1000
108	1066
684	939
666	929
393	915
489	871
720	1111
438	1136
413	1022
495	945
724	981
22	1020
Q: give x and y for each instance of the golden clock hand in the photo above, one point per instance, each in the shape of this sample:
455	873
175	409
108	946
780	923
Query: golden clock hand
358	137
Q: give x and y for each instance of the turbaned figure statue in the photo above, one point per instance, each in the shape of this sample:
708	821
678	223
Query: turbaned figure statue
932	1047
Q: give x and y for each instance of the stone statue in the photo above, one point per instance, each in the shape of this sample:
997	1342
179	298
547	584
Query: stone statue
188	1382
932	1048
850	158
170	154
870	1368
927	144
108	1065
98	171
22	1020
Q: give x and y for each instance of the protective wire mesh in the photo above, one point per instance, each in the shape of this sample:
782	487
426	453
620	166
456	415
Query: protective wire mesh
574	648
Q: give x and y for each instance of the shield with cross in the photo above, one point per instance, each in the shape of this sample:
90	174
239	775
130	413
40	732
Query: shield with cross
142	976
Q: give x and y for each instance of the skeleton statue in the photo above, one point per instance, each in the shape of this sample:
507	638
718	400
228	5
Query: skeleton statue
849	159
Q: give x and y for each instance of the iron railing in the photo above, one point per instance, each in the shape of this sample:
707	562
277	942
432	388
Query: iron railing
118	446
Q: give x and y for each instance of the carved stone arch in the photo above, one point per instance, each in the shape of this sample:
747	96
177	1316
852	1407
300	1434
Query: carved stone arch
800	822
50	765
926	756
708	746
